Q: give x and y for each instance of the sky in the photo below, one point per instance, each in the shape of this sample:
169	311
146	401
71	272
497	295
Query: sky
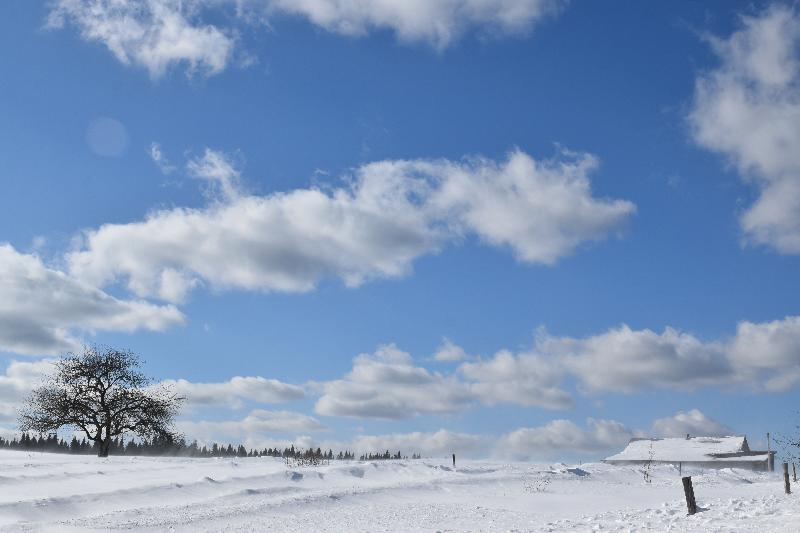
528	229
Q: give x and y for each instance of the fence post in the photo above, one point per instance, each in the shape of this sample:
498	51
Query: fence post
454	460
688	490
794	472
786	485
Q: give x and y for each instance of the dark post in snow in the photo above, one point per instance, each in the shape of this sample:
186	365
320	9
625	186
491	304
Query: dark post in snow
794	472
688	490
786	484
454	460
770	456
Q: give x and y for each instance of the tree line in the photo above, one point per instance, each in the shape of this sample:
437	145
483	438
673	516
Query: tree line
179	448
385	455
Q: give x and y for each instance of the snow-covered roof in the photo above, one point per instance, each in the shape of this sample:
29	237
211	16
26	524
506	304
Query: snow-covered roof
683	449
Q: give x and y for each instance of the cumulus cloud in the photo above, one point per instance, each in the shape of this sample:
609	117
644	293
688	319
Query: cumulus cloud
42	309
19	379
153	34
158	34
255	425
768	352
693	422
560	438
385	216
748	109
449	352
542	210
525	379
626	360
437	22
234	392
557	439
387	384
761	356
442	442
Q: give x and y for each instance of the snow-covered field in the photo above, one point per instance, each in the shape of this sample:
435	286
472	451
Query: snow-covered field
53	492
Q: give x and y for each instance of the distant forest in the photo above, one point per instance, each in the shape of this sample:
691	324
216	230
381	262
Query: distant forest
179	448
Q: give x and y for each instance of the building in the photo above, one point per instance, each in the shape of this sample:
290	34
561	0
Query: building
701	452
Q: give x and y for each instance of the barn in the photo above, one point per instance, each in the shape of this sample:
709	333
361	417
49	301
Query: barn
701	452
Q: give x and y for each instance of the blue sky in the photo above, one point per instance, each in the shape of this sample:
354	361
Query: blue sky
327	195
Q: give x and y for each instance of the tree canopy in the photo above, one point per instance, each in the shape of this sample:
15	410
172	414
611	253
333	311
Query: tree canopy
103	393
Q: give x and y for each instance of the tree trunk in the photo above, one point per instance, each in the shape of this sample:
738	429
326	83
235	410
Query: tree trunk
103	446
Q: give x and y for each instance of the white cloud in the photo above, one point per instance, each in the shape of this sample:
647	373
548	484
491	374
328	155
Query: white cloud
158	34
524	379
387	384
41	309
693	422
216	169
768	352
231	393
437	22
160	159
154	34
749	110
390	213
449	352
626	360
557	439
257	424
760	356
542	210
562	438
19	379
442	442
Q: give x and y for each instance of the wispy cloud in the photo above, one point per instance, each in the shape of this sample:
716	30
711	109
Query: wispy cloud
218	171
160	159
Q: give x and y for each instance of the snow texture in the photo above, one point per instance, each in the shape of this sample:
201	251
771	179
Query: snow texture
50	492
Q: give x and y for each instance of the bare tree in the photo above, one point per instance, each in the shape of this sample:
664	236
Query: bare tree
102	393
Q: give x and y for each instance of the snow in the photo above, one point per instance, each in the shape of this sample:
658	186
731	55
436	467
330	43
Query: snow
52	492
682	449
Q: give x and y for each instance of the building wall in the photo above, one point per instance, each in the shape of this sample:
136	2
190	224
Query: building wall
747	465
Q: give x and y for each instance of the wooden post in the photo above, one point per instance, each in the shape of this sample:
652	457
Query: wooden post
794	472
770	459
786	484
688	490
454	460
